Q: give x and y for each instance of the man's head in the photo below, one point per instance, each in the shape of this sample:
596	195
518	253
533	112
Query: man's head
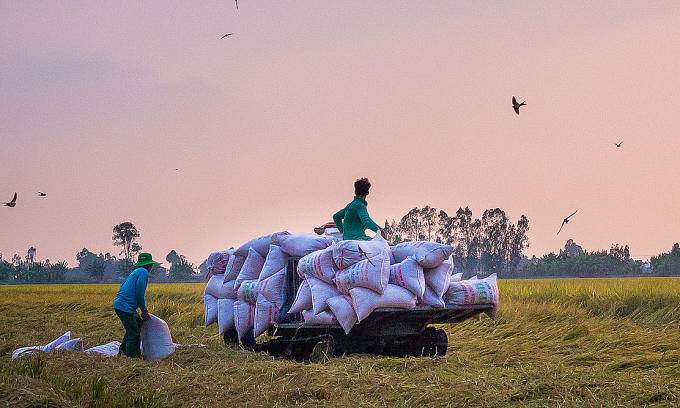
145	261
361	187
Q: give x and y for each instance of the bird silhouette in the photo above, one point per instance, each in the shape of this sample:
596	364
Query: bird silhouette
13	202
41	194
227	35
565	221
516	105
618	144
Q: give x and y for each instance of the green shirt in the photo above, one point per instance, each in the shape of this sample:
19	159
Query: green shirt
356	220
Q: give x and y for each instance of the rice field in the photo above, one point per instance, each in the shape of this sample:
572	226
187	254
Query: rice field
556	343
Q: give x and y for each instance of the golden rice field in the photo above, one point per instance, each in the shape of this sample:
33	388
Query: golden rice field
556	343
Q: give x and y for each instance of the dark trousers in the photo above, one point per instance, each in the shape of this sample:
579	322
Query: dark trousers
132	324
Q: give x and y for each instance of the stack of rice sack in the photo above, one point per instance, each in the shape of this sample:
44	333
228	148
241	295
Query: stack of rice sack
349	280
251	291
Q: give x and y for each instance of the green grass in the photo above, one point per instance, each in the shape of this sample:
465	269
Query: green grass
556	343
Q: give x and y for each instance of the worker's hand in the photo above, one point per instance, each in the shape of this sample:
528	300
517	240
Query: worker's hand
145	316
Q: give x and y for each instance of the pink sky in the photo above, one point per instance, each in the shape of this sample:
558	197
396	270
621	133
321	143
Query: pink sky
268	128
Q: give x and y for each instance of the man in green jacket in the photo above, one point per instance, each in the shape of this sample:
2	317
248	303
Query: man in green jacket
353	220
129	298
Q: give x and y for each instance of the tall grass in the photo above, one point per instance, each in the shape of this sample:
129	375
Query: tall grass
556	343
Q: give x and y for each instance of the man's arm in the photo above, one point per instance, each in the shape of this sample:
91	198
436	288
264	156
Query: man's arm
338	217
366	221
140	290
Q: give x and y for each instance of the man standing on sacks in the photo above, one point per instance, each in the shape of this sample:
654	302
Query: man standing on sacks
353	220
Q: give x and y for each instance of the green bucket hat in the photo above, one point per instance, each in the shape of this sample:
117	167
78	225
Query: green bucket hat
145	259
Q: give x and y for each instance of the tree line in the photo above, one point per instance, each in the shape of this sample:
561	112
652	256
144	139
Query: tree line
94	267
490	244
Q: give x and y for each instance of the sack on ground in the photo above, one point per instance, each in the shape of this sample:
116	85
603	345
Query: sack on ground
325	317
302	244
409	275
321	291
456	277
318	264
438	278
275	261
431	299
260	244
266	315
220	289
248	291
71	345
156	338
244	317
348	252
343	310
373	274
108	349
225	315
428	254
273	288
251	268
234	267
303	298
32	350
366	300
210	306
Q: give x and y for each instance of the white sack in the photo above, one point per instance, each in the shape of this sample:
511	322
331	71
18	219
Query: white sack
366	300
210	306
409	275
321	291
472	292
266	315
431	299
302	244
260	244
273	288
348	252
234	267
325	317
156	338
248	291
71	345
318	264
225	315
32	350
343	310
303	298
275	261
428	254
438	278
244	317
217	262
251	268
456	277
220	289
373	273
108	349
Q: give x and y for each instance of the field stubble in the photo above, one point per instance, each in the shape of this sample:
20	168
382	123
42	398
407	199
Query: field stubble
556	343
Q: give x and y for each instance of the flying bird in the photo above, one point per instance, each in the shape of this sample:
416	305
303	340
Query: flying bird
516	105
618	144
41	194
226	35
13	202
565	221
